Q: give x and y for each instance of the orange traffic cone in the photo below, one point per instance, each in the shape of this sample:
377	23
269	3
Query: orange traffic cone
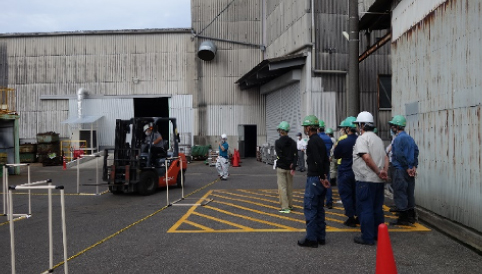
235	159
64	165
385	260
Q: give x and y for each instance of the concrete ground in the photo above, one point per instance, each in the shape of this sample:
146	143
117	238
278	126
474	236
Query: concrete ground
240	231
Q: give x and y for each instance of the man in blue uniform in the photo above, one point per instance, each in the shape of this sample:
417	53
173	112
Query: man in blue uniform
405	163
346	177
316	185
328	145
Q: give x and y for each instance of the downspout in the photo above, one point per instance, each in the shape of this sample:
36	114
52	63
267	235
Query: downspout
313	36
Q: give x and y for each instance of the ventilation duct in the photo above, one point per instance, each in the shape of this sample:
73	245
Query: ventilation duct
207	51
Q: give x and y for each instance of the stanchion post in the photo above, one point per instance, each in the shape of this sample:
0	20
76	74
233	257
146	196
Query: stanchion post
78	176
51	240
12	234
182	179
97	175
64	229
29	193
167	185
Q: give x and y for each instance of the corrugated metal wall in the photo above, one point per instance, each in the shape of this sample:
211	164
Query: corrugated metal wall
331	19
116	63
436	83
220	104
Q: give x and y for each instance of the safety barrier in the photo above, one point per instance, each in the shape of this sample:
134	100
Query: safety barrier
177	202
96	174
5	191
49	187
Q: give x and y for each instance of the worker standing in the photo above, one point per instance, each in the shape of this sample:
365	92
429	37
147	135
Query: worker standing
333	164
370	166
328	145
287	156
316	185
346	177
222	163
405	163
301	146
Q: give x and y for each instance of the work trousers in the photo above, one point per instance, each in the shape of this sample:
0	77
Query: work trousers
222	165
370	205
403	190
285	188
301	160
329	192
313	209
347	191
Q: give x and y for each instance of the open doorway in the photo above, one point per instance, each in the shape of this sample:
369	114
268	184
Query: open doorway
247	136
154	107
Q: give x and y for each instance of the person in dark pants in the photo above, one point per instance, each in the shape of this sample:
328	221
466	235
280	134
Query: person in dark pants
405	162
328	145
370	166
287	156
301	146
346	177
316	185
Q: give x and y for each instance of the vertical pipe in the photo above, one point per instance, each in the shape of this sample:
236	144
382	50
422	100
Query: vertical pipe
353	94
64	230
51	240
12	232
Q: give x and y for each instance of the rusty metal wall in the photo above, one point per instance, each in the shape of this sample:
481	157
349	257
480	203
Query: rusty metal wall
220	106
105	63
436	83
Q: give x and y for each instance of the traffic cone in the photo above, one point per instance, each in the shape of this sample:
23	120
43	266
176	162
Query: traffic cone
235	159
385	260
64	165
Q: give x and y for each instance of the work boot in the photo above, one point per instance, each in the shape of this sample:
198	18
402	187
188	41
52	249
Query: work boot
351	222
307	243
329	205
359	240
402	219
412	216
394	209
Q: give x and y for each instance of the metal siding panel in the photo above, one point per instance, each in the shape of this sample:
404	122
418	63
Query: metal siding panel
180	107
447	128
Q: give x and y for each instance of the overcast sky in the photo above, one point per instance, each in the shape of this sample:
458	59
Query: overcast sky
68	15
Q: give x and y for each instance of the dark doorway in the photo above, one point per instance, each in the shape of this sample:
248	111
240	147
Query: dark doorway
248	140
154	107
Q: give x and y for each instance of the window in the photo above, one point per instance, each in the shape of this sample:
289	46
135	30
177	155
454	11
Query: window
384	92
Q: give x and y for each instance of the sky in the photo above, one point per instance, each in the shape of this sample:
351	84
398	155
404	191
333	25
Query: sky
20	16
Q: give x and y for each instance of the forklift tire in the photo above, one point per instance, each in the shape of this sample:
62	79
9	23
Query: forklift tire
178	181
148	183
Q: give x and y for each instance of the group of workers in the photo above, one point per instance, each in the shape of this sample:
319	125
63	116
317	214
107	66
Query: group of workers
363	170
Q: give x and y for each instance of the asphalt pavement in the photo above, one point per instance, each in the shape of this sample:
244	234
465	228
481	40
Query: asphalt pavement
130	233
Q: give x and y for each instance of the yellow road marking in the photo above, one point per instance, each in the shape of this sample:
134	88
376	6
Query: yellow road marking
222	221
261	212
205	228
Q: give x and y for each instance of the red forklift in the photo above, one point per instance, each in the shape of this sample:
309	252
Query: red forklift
135	165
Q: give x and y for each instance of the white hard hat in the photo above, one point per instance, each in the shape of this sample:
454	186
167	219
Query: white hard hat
146	127
224	136
364	117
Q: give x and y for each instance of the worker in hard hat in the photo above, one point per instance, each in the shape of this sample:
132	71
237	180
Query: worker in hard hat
333	165
301	146
328	144
154	139
405	163
370	166
222	163
287	157
346	177
316	185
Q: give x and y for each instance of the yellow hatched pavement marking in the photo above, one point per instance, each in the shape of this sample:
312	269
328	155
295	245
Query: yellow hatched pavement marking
216	193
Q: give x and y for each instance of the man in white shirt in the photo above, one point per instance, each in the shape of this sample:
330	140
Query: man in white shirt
301	144
370	165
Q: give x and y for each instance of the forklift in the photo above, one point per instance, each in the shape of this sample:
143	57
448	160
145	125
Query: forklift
135	165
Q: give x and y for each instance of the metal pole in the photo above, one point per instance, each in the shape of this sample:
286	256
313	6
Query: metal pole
64	230
12	233
51	240
167	185
78	179
29	193
353	94
96	175
4	190
182	179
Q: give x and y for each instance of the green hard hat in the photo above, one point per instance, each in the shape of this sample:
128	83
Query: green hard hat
322	123
329	130
349	121
310	120
342	124
398	120
284	126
